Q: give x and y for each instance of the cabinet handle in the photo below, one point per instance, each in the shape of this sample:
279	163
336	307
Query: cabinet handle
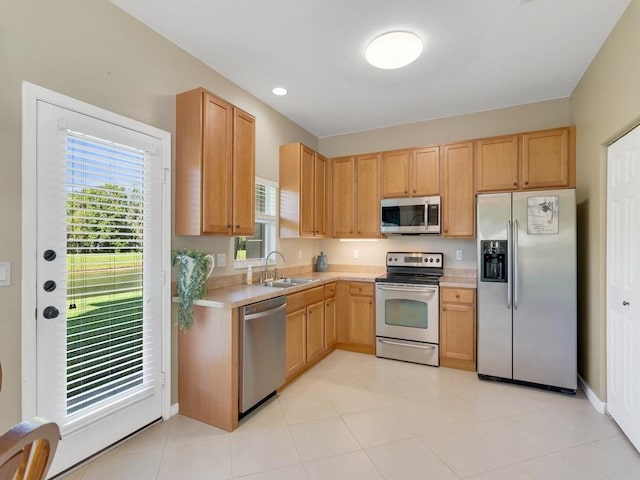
414	191
237	226
229	226
457	295
515	184
527	182
406	192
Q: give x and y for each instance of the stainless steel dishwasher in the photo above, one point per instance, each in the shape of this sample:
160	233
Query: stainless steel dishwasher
262	350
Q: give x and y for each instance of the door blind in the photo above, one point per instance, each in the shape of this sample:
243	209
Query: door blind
108	337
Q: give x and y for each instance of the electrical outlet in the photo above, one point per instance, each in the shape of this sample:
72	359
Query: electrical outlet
222	259
5	274
458	254
356	253
299	254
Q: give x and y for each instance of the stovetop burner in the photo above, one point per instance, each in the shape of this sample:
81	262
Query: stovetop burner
413	267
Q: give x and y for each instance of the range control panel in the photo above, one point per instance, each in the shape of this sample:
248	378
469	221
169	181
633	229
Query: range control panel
415	259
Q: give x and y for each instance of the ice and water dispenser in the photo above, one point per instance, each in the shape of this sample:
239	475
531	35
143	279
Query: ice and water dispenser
494	261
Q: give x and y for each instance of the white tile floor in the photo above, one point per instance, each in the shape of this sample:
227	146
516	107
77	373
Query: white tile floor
356	416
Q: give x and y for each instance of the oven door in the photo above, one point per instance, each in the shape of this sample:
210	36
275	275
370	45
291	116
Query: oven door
407	312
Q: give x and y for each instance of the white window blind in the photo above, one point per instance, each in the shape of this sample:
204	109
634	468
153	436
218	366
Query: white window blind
107	336
251	250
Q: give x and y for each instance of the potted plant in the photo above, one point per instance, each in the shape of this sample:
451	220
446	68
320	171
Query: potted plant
194	268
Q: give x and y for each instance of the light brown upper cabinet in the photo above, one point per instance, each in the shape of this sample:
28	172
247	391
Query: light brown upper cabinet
497	164
548	159
215	166
458	197
411	173
356	196
304	176
527	161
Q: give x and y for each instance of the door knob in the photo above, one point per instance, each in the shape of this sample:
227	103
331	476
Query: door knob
625	303
50	312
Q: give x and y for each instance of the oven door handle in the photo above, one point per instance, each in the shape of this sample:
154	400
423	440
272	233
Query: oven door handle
405	289
422	347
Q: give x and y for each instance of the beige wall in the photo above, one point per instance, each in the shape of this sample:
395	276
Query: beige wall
522	118
604	105
92	51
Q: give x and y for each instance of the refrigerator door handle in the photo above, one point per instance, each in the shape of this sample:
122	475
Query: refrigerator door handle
515	264
509	245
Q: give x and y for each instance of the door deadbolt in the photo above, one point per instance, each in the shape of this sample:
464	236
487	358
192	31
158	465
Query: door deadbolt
49	255
50	312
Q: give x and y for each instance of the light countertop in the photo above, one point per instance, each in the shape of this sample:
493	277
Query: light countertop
240	295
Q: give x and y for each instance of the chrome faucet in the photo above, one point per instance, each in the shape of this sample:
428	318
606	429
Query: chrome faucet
266	263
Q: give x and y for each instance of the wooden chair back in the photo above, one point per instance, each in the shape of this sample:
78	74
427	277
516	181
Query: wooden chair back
26	451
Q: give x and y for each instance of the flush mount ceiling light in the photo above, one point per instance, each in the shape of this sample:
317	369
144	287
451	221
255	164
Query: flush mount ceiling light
279	91
393	50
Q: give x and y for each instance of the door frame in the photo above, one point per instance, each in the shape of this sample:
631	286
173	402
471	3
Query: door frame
31	94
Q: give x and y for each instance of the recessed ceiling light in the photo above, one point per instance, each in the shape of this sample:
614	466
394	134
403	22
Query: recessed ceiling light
393	50
279	91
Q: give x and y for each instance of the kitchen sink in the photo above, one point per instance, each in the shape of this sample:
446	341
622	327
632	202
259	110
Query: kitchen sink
288	282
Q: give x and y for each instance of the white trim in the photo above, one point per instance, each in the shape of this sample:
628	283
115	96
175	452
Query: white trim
598	405
31	94
175	409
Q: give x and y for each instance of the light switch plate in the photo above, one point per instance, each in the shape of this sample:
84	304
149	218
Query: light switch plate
5	274
222	259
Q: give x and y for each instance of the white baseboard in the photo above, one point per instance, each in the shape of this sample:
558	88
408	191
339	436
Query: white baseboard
598	405
175	408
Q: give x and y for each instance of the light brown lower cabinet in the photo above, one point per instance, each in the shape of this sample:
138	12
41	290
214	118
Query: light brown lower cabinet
329	316
356	318
458	328
305	330
208	367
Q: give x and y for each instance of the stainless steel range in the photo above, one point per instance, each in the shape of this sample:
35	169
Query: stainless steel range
407	307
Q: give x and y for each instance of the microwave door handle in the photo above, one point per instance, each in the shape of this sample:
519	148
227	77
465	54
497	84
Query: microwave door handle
509	263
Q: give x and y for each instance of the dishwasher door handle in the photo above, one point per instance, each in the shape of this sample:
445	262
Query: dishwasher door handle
266	313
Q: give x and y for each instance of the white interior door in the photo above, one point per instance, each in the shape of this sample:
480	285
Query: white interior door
100	256
623	287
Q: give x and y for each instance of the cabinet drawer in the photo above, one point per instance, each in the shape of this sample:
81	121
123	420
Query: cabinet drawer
296	301
330	290
361	288
457	295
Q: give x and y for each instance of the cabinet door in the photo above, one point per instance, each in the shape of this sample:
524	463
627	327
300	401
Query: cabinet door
425	172
395	174
497	164
296	354
320	176
458	336
361	322
368	196
545	159
307	168
329	323
244	173
458	198
315	331
217	166
343	192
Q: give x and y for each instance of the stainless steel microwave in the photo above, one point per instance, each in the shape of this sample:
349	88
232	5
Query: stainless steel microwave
414	215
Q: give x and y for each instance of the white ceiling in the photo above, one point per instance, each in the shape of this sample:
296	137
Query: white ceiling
479	54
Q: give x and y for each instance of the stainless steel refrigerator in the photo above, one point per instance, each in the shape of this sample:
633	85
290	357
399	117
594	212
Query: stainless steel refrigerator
527	288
